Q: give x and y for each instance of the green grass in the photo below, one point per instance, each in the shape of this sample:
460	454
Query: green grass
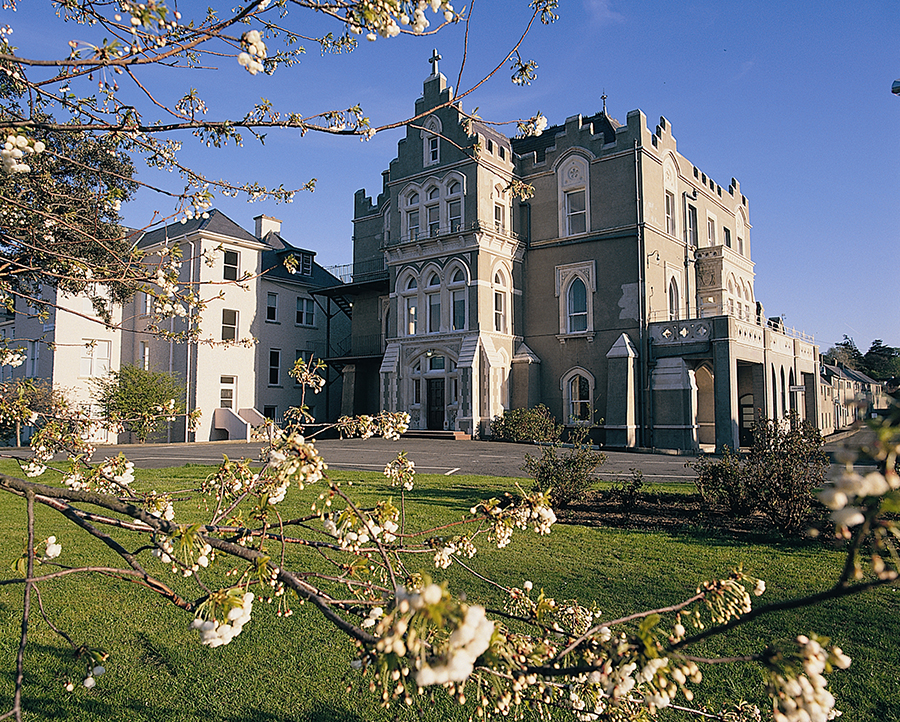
296	669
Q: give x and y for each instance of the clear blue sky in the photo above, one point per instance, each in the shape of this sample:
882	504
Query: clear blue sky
792	99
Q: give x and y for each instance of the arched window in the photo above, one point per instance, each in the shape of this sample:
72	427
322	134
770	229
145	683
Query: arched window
575	286
410	307
500	302
574	198
578	397
457	287
431	142
576	300
433	303
412	216
674	304
454	206
433	211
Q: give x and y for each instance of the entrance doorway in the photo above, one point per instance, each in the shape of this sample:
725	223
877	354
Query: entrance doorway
748	416
435	400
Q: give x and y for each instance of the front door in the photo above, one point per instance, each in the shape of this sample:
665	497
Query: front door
435	401
748	417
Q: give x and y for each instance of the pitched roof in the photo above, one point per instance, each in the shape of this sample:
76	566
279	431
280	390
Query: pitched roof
217	223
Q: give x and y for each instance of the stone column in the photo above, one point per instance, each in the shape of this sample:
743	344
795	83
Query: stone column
674	395
621	393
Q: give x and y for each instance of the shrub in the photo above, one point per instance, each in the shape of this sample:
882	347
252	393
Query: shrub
721	481
785	464
526	425
777	477
567	474
626	490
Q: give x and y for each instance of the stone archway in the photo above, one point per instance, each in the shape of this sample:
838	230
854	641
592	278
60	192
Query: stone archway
706	405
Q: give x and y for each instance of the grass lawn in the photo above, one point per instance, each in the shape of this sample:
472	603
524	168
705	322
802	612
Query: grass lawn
297	669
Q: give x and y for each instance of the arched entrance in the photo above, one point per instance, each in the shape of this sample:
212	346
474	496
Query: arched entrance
706	406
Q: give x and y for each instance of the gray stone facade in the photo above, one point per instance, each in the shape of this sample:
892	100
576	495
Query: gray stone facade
620	293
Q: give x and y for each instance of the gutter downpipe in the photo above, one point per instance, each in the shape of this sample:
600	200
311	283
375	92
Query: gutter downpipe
642	339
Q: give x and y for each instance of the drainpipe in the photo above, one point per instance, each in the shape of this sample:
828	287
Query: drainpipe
642	330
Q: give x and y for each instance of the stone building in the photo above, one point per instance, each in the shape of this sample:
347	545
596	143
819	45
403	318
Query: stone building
620	293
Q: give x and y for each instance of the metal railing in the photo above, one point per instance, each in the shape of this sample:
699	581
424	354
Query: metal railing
349	272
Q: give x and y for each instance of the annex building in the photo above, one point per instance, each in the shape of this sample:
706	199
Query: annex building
619	294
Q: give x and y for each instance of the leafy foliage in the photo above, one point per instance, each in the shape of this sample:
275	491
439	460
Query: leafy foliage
140	399
526	425
626	490
565	474
722	481
777	478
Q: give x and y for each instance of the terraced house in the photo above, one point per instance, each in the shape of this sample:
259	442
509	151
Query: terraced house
619	293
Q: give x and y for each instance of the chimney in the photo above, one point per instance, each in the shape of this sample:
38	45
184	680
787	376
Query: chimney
264	224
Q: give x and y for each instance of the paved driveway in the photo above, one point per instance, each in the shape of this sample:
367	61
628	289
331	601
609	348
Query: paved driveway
485	458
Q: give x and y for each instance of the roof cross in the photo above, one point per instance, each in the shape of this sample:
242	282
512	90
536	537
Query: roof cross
434	62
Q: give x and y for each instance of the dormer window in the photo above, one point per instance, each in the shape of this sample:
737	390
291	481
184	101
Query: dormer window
306	264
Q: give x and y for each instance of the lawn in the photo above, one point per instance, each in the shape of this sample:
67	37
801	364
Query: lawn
297	669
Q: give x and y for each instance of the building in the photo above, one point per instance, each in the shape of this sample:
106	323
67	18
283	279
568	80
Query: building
262	316
619	293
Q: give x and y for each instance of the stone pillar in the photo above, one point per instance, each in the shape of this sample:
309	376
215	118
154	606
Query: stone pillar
726	396
674	396
348	391
621	393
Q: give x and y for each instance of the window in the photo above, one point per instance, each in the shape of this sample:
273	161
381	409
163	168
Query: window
578	390
274	367
740	245
270	412
727	233
577	306
306	264
499	303
227	388
459	310
454	215
144	357
146	304
575	286
433	217
412	304
574	202
412	223
33	355
306	312
499	218
502	153
711	231
670	213
691	226
434	312
434	154
490	146
94	358
232	266
576	221
229	325
271	307
673	301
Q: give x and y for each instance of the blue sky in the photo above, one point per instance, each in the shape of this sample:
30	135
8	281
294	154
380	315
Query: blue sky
792	99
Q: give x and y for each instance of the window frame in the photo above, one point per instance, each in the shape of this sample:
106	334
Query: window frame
271	307
305	313
670	213
573	416
572	176
274	368
572	215
233	326
566	275
580	314
231	269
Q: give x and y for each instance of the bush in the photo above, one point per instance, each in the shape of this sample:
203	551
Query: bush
721	481
568	474
777	477
526	425
626	490
786	463
143	401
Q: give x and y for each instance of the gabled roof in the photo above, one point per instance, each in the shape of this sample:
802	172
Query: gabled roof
217	223
275	270
861	377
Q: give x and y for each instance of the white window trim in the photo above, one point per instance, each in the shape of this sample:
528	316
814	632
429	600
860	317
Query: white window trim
504	289
573	174
565	274
432	129
457	287
441	201
277	368
564	386
269	296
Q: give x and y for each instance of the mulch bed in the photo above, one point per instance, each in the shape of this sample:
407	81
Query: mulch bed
659	512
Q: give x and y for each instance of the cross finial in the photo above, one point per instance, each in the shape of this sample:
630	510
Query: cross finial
434	62
603	98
